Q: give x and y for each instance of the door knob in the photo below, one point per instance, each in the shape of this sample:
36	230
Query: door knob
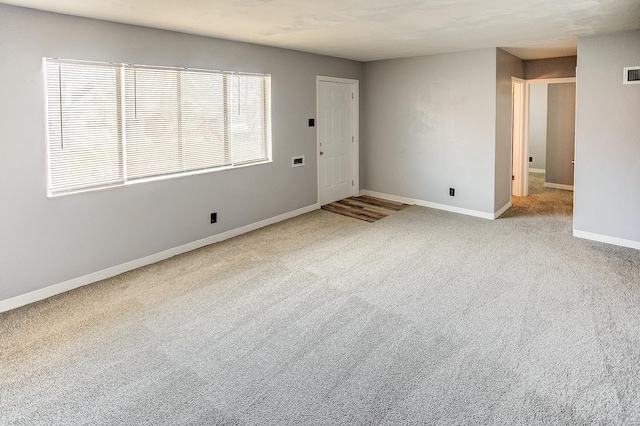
321	153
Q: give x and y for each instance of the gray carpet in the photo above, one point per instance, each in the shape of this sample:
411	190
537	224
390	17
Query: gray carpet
424	317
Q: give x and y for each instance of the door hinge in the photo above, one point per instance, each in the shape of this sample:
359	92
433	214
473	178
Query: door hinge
352	96
352	184
513	177
353	138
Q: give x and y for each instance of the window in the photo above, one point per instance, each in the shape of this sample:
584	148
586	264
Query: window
113	124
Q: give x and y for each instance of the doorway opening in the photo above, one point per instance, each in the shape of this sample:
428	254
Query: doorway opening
543	143
543	125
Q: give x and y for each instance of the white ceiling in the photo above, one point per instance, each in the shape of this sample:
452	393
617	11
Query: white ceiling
367	30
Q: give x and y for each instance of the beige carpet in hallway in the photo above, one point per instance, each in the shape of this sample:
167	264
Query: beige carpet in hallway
541	201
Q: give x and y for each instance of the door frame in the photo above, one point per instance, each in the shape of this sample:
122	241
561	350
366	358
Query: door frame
526	105
519	148
355	126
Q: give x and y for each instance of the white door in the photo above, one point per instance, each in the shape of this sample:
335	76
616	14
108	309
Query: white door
335	140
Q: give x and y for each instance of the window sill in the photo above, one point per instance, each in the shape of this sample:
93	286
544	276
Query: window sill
155	179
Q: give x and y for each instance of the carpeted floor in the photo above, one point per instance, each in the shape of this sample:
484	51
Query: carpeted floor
425	317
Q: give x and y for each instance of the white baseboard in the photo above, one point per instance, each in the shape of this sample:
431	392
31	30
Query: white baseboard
429	204
37	295
389	197
455	209
502	210
558	186
537	170
607	239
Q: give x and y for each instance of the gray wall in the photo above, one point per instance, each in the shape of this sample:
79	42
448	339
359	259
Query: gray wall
431	127
538	125
507	66
607	171
561	135
48	241
542	69
550	68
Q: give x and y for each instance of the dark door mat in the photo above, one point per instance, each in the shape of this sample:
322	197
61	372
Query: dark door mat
365	208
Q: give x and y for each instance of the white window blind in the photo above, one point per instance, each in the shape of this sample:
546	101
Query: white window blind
83	126
203	121
152	117
132	122
248	118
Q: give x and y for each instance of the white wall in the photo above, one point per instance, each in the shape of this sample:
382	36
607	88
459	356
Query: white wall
538	125
607	170
431	126
49	241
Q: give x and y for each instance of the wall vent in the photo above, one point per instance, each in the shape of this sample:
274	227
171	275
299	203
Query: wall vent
631	75
297	161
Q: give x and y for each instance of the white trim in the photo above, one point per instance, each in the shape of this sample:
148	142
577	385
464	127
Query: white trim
355	128
525	136
389	197
336	79
432	205
607	239
454	209
558	186
37	295
168	176
519	152
502	210
552	80
537	170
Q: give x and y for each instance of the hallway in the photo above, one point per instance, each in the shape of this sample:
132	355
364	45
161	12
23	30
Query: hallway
541	201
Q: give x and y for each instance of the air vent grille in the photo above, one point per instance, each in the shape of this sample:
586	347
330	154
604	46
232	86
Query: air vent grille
631	75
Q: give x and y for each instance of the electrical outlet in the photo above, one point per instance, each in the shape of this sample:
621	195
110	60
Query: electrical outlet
312	122
452	192
214	217
531	159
